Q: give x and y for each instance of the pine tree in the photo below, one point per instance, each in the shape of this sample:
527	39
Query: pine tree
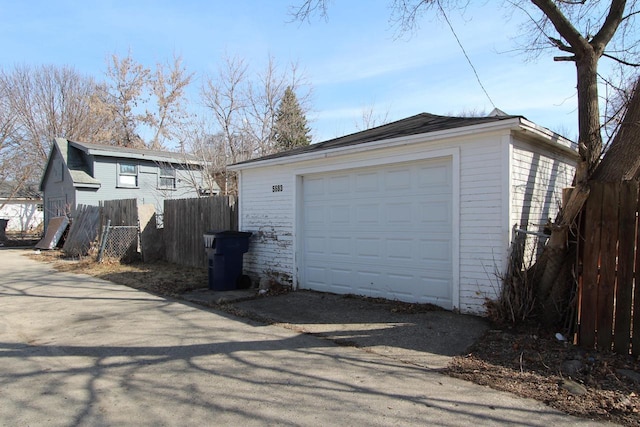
290	130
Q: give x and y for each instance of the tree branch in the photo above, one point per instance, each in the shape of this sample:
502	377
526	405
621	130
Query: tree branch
562	24
621	61
560	45
610	25
564	58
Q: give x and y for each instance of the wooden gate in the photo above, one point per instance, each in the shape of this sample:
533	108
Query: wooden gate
608	297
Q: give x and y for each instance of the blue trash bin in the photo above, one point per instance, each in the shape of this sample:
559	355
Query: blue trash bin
225	250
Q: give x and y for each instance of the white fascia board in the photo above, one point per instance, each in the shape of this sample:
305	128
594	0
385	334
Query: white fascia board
549	138
511	124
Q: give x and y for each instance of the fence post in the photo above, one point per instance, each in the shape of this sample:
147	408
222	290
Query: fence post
103	242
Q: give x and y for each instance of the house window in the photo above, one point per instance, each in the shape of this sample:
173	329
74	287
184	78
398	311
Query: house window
167	178
127	175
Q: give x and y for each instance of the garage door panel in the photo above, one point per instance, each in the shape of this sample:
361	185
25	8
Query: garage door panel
383	232
368	182
314	186
399	179
368	248
340	246
435	250
339	214
399	213
435	177
340	184
368	213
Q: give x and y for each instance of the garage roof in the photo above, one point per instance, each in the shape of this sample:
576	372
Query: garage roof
414	125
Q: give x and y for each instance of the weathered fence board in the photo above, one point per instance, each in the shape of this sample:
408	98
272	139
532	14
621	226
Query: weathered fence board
626	247
609	298
591	255
608	256
120	212
186	220
635	339
83	231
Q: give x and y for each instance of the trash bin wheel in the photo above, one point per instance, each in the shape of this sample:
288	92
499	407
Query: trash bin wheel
243	282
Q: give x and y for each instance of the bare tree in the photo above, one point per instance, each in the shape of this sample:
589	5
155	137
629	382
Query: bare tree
126	89
244	110
168	84
370	118
223	96
38	104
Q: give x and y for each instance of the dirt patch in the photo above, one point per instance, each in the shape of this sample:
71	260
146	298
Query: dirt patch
533	363
526	361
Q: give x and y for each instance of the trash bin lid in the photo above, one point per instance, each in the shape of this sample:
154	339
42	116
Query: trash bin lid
231	233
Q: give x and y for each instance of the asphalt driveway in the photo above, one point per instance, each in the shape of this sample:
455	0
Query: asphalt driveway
76	350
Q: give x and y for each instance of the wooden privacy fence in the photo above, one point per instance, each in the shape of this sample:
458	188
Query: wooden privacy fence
186	220
609	301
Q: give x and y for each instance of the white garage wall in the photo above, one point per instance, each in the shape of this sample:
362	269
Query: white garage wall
483	208
482	165
537	180
269	215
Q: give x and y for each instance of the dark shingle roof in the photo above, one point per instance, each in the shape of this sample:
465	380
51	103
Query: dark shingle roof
118	151
414	125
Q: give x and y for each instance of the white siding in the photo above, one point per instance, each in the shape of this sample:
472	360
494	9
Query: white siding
537	180
269	215
23	215
482	247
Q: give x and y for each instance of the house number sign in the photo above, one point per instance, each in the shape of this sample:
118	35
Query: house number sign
276	188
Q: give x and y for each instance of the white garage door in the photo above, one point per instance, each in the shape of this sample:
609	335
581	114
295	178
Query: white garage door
384	231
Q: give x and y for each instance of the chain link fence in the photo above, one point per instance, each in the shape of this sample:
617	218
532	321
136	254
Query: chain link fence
119	242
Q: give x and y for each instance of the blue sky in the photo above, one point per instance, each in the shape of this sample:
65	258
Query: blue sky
353	60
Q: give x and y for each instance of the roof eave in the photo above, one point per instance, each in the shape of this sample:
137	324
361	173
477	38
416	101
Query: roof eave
508	124
554	140
105	152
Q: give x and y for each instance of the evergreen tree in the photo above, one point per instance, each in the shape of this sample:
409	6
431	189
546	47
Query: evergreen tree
290	130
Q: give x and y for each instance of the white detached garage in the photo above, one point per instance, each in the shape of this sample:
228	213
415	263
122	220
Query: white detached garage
419	210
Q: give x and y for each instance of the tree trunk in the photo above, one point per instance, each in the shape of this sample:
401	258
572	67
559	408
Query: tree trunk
589	137
622	160
554	286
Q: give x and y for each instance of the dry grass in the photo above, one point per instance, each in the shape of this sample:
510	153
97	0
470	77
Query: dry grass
158	278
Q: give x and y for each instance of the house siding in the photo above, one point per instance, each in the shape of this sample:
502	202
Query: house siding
24	215
147	191
54	190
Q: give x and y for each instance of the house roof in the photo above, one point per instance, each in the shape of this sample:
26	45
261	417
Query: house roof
423	123
78	169
74	154
134	153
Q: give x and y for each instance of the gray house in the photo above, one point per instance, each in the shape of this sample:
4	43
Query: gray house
86	174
